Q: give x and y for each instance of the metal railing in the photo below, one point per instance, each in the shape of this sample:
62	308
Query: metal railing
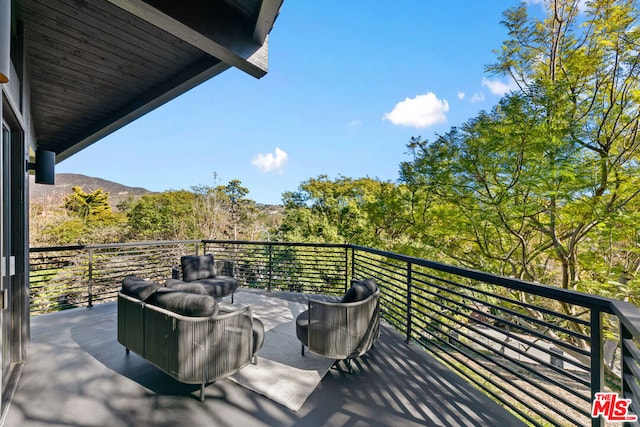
75	276
541	351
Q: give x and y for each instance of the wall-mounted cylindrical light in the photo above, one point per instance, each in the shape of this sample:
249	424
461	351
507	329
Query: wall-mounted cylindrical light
5	40
45	167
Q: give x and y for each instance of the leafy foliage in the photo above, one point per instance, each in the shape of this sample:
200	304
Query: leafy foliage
82	218
163	216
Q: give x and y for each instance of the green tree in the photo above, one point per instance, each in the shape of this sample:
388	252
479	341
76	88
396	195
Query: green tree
240	208
535	176
363	211
224	211
83	218
86	205
580	79
164	216
542	185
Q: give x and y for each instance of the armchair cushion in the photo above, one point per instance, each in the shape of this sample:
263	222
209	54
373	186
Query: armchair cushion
196	267
360	291
371	285
138	288
184	303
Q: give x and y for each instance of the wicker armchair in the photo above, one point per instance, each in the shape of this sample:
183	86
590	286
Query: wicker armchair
342	330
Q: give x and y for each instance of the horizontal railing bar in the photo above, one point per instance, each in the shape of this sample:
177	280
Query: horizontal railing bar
515	362
294	244
510	311
632	361
393	293
560	294
383	274
518	340
383	262
517	326
508	381
510	300
392	307
112	245
380	264
632	383
482	385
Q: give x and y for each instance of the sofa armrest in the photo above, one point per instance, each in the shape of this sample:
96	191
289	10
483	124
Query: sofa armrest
198	350
131	323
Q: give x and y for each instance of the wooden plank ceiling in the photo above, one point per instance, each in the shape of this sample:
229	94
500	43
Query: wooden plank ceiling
95	65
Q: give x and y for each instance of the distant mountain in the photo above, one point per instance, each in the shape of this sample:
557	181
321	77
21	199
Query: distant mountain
54	194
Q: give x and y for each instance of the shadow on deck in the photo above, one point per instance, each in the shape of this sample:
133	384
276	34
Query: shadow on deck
77	374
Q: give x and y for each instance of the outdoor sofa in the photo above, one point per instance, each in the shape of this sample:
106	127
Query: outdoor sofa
186	334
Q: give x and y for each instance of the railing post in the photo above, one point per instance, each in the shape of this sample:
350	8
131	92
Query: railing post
270	266
597	361
353	262
409	302
90	282
625	336
346	268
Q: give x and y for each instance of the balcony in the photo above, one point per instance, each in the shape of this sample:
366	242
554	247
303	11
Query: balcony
454	343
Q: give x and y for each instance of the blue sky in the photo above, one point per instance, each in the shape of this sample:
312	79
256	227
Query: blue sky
349	83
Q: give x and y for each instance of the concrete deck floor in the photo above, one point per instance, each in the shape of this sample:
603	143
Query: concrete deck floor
77	374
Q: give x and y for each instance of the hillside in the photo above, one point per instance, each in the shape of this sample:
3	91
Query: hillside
54	194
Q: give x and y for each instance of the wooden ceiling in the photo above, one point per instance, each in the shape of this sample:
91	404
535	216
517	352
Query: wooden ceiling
95	65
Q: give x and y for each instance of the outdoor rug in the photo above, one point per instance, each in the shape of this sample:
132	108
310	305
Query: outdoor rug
282	374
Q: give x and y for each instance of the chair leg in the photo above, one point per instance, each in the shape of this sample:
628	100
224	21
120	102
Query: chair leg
303	350
126	350
202	392
232	298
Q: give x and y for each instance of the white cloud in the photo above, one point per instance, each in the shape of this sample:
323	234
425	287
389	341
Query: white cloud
477	97
354	123
420	112
461	95
270	162
499	88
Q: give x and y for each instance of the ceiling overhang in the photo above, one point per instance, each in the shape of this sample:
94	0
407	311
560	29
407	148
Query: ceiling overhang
95	65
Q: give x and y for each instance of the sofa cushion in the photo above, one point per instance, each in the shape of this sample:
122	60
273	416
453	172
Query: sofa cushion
184	303
196	267
220	286
216	287
191	287
139	288
360	291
